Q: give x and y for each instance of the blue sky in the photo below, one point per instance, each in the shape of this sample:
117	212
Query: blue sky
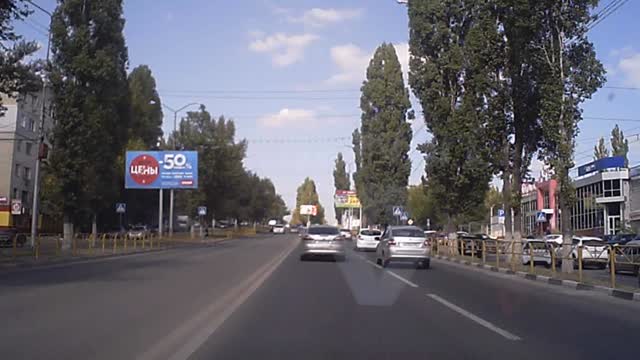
237	58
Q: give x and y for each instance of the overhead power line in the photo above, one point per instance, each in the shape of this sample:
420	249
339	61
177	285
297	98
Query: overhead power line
606	12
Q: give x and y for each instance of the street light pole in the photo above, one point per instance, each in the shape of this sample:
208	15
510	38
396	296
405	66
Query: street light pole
40	154
175	147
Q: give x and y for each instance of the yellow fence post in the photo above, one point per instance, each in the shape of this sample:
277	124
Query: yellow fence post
37	248
552	251
531	260
115	244
484	252
512	254
580	262
74	245
150	241
497	255
143	239
125	242
473	250
135	243
103	240
58	245
612	265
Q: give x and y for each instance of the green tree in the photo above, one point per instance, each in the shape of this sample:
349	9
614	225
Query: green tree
91	100
384	165
600	151
569	73
17	73
146	108
619	145
307	195
449	81
341	181
423	207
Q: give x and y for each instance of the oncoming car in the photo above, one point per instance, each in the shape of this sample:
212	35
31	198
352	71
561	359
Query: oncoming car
322	240
404	244
278	229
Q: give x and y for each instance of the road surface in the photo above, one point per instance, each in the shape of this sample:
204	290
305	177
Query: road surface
255	299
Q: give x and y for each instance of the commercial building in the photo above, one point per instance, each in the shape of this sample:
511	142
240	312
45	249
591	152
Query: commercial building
602	206
634	198
19	122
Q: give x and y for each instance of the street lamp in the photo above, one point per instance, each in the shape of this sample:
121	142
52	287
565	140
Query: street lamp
175	147
41	153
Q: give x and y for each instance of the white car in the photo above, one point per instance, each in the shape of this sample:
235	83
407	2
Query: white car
541	252
346	234
594	250
278	229
404	244
367	239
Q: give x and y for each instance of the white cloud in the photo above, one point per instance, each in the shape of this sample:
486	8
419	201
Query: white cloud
288	117
320	17
284	49
352	63
629	66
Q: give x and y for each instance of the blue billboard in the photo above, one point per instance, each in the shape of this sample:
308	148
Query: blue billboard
601	164
161	170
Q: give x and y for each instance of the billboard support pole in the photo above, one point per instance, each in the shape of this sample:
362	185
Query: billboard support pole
171	213
160	215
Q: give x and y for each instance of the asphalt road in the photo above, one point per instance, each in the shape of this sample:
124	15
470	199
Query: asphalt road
255	299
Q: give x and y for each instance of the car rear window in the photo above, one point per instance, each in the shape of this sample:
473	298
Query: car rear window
592	243
323	231
408	233
371	232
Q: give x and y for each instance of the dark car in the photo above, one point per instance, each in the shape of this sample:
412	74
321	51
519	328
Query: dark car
619	239
471	244
7	235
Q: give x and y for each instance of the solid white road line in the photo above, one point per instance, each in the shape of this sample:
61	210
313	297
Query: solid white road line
485	323
389	272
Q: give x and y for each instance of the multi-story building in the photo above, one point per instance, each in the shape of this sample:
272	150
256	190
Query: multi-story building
19	126
602	206
634	198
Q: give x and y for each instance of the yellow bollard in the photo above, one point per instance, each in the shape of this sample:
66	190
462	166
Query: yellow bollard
473	250
531	260
484	252
103	240
580	263
151	241
115	244
125	243
552	251
37	247
142	239
612	265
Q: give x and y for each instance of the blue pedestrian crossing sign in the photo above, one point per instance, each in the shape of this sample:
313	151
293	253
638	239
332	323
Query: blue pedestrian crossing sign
541	217
121	208
202	210
398	211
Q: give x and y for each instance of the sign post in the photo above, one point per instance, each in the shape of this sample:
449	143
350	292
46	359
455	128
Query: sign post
308	210
121	208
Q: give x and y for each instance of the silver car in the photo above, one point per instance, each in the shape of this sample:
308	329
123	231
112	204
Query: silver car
403	244
322	240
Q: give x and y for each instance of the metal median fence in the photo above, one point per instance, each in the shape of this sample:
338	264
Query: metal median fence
52	247
590	264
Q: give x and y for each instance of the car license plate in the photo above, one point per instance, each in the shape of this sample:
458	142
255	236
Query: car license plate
409	245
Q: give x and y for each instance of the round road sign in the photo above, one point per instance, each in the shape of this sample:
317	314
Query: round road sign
144	169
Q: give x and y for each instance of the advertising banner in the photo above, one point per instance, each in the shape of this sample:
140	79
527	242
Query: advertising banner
346	199
308	210
161	170
601	164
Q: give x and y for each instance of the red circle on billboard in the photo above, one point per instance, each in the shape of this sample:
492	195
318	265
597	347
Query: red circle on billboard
144	169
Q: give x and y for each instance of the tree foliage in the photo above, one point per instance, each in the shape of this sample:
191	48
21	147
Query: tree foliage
383	160
307	194
341	181
17	73
449	76
619	145
600	151
91	101
146	108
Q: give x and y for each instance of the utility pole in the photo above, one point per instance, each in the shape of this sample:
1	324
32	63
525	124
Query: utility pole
175	147
40	148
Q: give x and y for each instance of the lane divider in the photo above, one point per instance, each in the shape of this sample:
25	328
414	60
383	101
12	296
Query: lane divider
410	283
504	333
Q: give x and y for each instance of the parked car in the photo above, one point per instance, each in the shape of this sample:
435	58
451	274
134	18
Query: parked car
323	240
628	258
278	229
138	232
367	239
471	244
346	233
620	239
7	235
541	252
594	251
403	244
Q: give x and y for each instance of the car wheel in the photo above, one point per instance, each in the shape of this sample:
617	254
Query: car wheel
379	261
547	265
424	264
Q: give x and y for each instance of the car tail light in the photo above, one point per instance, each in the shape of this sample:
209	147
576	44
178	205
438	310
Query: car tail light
307	238
391	242
427	243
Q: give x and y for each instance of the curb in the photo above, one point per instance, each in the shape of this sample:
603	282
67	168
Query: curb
617	293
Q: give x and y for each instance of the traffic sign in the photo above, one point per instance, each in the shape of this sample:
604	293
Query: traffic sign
308	210
541	217
121	208
16	207
410	222
398	211
404	216
500	212
202	210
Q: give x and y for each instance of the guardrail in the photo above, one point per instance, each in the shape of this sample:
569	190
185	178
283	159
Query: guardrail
525	255
53	246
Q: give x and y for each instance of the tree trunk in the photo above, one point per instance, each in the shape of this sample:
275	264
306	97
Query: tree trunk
565	213
517	191
506	192
67	232
94	227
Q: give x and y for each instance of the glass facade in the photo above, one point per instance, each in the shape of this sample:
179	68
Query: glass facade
588	215
529	209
